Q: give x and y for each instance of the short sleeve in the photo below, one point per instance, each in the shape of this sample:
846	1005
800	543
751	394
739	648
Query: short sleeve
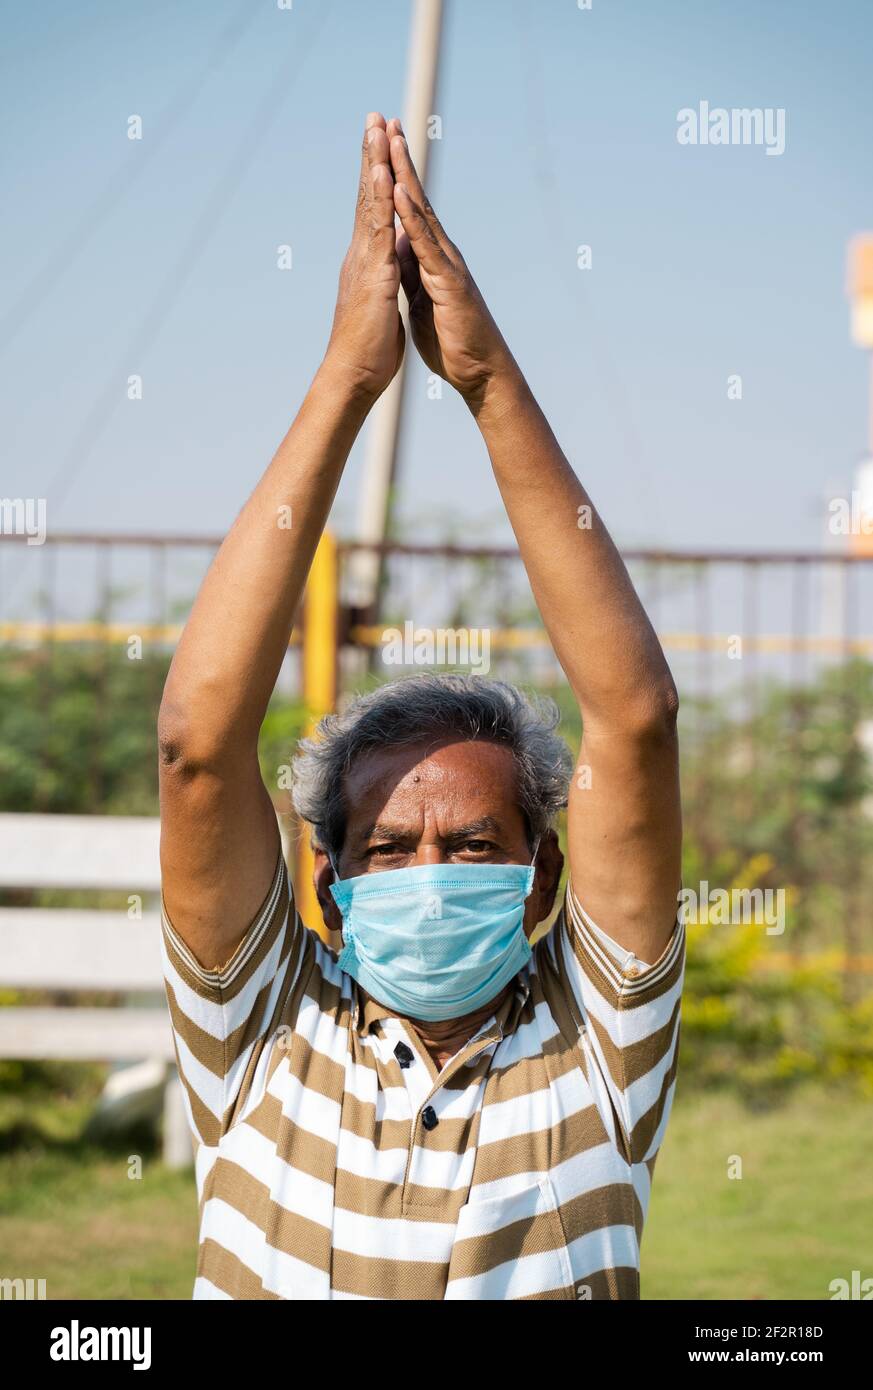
221	1017
628	1018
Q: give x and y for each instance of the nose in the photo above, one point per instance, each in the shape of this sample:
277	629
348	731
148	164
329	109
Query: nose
430	854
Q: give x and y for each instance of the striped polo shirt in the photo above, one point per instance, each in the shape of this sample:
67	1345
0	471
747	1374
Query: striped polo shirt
334	1159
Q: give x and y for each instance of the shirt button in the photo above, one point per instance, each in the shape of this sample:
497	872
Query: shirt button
429	1117
404	1054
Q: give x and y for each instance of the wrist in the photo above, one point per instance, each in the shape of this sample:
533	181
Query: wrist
344	386
503	393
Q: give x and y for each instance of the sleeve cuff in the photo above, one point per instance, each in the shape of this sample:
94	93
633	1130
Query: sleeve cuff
215	982
621	972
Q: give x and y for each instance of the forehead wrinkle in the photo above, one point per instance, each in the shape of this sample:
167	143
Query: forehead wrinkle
387	829
480	823
397	831
425	788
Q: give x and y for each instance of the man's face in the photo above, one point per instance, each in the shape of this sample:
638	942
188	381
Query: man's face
453	802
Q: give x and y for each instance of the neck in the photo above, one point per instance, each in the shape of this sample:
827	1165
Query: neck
444	1037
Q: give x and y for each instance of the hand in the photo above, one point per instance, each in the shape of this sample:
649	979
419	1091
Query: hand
367	338
451	324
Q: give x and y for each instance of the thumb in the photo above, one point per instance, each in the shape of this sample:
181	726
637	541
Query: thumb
410	278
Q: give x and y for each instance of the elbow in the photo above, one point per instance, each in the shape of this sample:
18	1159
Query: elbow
175	740
202	735
651	715
187	741
668	703
647	716
174	720
656	718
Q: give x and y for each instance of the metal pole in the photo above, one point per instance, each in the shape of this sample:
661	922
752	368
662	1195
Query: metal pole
366	568
319	664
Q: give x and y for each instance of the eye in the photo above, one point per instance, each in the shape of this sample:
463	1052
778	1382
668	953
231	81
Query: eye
385	850
477	847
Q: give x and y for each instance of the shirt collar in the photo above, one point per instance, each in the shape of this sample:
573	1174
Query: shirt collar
365	1010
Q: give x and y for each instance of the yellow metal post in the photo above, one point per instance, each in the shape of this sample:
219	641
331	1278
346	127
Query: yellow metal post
320	648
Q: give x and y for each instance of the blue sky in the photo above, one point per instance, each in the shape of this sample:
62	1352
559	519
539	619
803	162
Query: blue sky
559	128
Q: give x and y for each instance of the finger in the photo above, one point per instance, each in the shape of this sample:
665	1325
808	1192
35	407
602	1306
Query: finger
410	277
374	120
381	219
428	252
406	173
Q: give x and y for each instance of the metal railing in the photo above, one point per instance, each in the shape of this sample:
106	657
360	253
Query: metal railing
771	653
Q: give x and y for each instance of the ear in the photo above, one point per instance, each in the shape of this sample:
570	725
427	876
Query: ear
323	876
547	876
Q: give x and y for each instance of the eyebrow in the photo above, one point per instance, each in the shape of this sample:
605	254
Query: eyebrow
382	830
475	827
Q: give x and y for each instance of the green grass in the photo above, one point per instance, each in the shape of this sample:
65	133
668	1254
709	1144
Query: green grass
801	1215
75	1218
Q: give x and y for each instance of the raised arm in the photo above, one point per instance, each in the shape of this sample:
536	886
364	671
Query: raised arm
219	837
624	823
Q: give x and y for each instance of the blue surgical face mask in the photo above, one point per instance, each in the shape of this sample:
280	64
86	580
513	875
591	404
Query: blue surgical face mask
435	941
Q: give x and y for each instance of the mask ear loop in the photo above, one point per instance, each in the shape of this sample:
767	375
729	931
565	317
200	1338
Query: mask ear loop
533	864
346	927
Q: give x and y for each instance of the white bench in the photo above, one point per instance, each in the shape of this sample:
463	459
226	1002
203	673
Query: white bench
76	950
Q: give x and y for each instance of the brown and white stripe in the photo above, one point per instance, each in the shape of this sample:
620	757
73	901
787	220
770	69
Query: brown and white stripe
327	1170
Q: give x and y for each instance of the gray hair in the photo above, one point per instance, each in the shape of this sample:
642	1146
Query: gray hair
426	706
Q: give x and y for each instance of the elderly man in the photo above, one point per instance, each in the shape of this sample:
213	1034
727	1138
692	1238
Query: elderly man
439	1110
